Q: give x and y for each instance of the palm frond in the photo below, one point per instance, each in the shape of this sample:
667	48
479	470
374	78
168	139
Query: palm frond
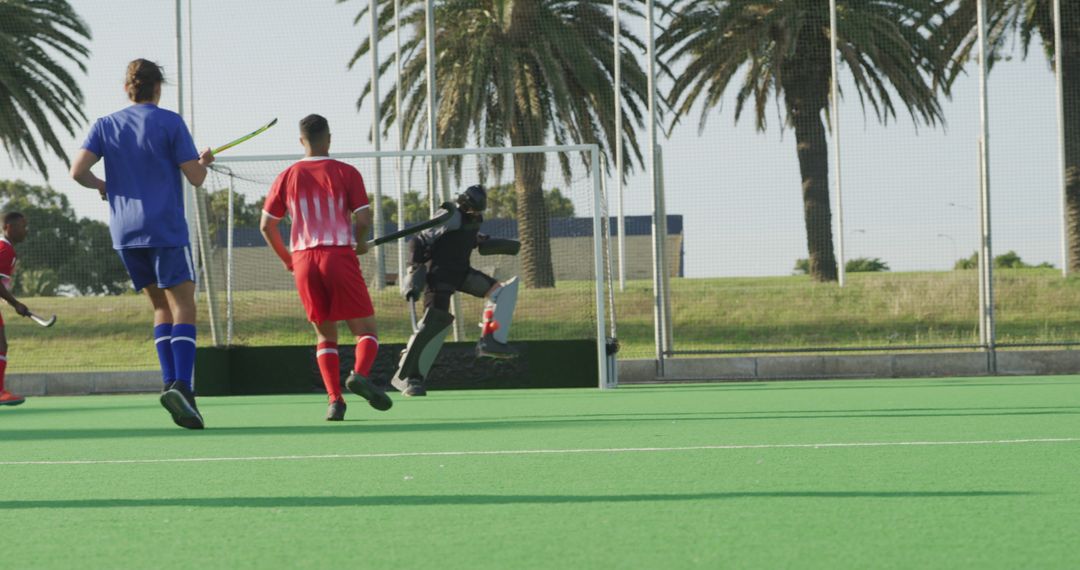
775	46
37	39
522	71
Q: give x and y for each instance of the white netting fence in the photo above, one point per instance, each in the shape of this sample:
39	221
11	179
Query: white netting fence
557	264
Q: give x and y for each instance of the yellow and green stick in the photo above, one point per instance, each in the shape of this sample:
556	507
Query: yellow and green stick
248	136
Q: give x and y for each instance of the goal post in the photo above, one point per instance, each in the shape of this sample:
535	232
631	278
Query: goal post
565	270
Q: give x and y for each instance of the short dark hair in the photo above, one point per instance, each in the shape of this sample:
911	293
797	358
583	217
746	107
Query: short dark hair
12	217
314	127
142	77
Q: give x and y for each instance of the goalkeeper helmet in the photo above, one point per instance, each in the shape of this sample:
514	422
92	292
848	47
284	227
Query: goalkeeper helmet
474	199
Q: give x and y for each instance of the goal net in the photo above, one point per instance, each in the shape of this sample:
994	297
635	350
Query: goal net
549	198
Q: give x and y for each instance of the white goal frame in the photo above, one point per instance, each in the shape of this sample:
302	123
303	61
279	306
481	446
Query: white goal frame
608	377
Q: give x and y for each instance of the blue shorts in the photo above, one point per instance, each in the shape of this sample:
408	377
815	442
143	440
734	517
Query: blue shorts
162	266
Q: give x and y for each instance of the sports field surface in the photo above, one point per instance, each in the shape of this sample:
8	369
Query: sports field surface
945	473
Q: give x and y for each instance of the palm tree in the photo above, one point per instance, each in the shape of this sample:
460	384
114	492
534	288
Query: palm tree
1028	18
781	48
35	88
523	72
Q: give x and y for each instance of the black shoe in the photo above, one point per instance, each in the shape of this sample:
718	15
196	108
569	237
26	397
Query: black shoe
414	388
180	402
336	411
367	390
488	347
410	387
168	386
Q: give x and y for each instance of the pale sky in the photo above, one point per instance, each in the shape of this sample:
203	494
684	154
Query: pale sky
910	196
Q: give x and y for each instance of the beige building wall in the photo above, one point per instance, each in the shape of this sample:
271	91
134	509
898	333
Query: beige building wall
258	269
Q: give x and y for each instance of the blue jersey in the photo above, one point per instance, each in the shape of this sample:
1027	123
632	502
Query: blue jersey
143	147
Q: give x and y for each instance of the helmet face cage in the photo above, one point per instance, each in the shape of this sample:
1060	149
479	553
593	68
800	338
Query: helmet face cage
474	198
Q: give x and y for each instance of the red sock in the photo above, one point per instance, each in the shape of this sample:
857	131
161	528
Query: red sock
330	368
366	349
3	368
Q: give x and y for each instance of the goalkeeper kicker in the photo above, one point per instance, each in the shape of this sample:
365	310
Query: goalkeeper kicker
439	265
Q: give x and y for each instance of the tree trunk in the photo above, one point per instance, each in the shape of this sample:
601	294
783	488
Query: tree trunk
1070	76
529	129
532	219
806	89
817	213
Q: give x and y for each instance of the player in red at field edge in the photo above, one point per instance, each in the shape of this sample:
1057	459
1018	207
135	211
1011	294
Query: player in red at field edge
15	230
327	203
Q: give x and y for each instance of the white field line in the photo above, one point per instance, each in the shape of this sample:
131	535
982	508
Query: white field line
545	451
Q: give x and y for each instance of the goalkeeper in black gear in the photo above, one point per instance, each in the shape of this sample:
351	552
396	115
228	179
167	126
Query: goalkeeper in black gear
439	266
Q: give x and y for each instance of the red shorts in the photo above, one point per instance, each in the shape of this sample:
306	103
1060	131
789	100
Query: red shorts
330	284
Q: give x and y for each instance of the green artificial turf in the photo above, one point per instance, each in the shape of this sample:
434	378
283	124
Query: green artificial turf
409	490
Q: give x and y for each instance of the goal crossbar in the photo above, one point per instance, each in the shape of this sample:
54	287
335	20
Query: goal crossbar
590	148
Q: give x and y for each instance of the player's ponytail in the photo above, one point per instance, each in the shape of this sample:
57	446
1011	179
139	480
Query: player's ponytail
143	76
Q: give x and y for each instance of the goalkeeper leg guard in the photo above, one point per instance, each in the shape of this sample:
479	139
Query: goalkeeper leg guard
422	349
497	318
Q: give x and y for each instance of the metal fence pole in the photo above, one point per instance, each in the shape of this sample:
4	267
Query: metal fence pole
191	68
230	228
983	332
188	190
189	201
609	273
205	259
1058	59
193	205
598	269
429	46
612	369
835	116
616	47
179	59
987	256
455	300
665	265
400	137
658	304
376	138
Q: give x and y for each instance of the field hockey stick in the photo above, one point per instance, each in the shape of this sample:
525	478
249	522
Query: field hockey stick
412	315
248	136
436	221
43	322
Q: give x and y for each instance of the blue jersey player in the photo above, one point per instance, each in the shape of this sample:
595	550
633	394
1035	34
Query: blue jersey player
146	150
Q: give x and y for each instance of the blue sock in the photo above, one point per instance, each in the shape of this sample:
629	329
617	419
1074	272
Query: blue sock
183	351
162	342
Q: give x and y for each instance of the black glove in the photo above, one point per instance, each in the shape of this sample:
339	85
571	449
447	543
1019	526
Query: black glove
412	286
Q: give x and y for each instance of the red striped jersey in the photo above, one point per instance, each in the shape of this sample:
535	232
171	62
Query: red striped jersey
320	195
7	262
